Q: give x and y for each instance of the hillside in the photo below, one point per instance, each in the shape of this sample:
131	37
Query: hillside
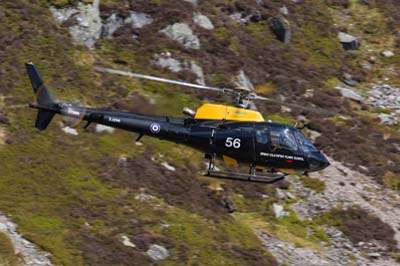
97	197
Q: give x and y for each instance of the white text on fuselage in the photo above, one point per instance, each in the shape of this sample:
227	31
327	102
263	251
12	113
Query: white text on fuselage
114	119
282	156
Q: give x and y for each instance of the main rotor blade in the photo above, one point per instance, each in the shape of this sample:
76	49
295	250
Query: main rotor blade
175	82
254	96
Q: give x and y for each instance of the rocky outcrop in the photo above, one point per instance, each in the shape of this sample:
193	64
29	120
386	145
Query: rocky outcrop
243	81
28	252
115	21
165	60
84	21
182	33
350	94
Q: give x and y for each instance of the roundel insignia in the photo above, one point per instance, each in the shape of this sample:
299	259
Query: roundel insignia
155	128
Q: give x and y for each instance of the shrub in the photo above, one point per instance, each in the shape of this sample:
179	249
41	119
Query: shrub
313	183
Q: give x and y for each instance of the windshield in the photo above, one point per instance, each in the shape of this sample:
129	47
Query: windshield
306	145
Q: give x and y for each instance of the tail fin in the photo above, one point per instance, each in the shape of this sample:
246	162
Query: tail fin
43	97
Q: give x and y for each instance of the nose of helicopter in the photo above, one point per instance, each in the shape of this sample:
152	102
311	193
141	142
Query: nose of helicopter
317	161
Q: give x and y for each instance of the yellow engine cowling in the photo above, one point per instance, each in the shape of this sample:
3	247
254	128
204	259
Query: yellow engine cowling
222	112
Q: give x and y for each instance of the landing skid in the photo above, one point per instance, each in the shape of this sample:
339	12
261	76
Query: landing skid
245	177
251	177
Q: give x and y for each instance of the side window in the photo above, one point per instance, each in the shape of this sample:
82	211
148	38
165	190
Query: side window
261	136
287	140
283	138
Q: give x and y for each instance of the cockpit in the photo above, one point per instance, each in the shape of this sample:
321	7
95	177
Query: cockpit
288	139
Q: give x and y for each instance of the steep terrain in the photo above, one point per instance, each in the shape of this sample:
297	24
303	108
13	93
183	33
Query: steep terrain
95	197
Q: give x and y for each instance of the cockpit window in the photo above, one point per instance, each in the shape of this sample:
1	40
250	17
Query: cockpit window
283	138
306	145
261	136
287	139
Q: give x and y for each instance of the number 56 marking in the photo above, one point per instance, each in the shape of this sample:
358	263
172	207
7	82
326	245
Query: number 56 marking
231	142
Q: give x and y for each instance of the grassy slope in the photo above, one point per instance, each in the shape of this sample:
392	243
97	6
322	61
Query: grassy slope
64	192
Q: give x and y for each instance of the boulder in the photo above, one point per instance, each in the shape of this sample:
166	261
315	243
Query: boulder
165	60
182	33
243	81
349	42
203	21
350	94
104	129
388	119
278	210
70	131
348	79
280	194
115	21
387	53
87	25
157	252
281	28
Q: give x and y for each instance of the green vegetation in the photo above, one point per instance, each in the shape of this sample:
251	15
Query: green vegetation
392	180
7	254
313	183
358	225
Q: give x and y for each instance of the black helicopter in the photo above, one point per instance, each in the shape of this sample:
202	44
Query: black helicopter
235	134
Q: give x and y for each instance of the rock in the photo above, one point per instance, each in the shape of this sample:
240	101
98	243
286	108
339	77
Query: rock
348	93
182	33
281	28
278	210
122	161
203	21
111	24
3	227
374	255
348	79
144	197
70	131
228	204
165	60
349	42
138	20
168	166
284	10
157	252
127	242
87	26
242	81
290	195
115	21
194	2
280	194
385	96
196	69
170	63
387	119
387	53
104	129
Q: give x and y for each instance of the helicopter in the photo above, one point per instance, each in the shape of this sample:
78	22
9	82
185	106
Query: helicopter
235	134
